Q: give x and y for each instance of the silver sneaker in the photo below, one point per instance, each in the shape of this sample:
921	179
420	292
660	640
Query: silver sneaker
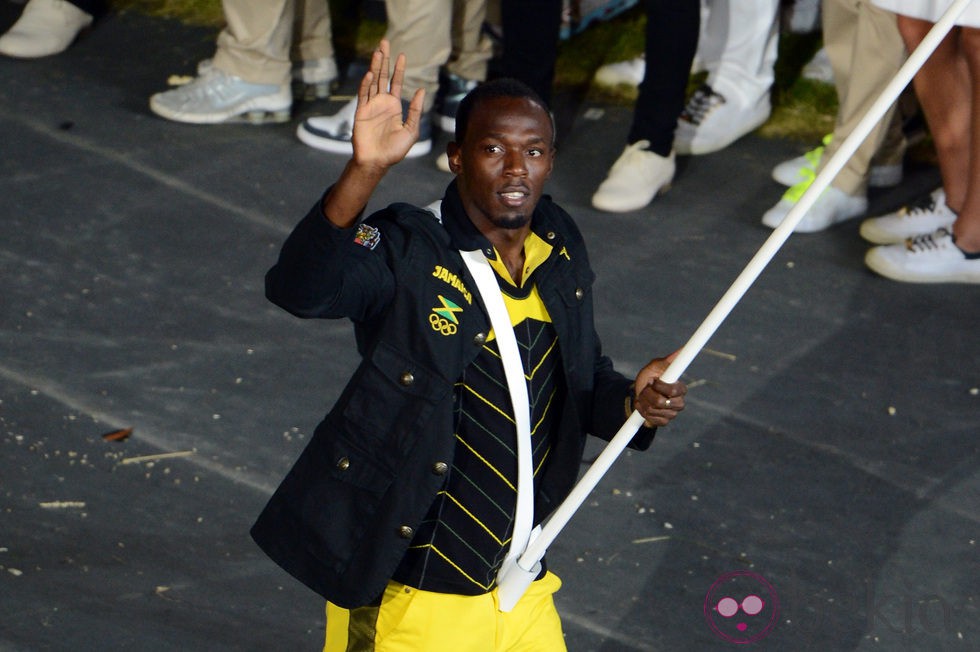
217	97
314	79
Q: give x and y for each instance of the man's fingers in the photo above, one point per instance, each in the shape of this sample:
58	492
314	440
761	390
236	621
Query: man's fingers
414	117
397	76
364	90
669	389
382	80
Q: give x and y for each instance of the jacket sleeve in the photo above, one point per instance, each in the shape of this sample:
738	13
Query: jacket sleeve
611	396
612	402
328	272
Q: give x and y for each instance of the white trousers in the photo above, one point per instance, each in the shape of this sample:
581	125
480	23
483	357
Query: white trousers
738	48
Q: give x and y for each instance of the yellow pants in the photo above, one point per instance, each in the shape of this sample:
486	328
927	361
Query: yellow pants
410	620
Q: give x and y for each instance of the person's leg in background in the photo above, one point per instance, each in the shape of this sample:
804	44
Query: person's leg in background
646	167
467	65
631	71
531	34
422	31
255	43
738	48
948	88
312	49
966	229
865	52
472	50
249	75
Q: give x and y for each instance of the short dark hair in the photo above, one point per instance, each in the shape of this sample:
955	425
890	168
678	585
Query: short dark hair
497	88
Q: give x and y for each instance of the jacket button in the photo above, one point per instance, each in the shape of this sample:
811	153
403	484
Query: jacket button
406	378
405	532
343	464
550	235
440	468
579	293
479	338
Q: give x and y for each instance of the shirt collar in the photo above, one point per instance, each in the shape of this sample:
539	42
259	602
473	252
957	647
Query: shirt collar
466	237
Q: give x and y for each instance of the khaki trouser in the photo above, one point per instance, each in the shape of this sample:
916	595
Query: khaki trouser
865	51
258	38
435	33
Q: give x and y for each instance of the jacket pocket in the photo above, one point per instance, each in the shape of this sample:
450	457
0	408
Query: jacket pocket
344	486
392	397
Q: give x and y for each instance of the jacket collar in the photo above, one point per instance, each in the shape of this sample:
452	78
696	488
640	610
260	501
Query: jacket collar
467	237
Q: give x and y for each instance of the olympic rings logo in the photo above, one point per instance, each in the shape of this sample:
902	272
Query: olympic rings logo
441	324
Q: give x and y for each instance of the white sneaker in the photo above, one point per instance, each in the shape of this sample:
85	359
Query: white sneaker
930	258
831	207
924	216
628	72
631	71
219	97
804	167
885	176
710	122
333	133
818	68
45	27
637	176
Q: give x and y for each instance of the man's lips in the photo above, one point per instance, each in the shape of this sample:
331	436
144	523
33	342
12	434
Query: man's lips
514	195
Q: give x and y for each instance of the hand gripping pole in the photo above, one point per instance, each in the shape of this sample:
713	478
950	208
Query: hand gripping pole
515	579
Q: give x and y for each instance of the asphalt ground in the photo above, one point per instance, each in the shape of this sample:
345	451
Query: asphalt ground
827	461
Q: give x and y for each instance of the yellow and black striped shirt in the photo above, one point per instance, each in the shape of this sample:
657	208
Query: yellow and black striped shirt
460	545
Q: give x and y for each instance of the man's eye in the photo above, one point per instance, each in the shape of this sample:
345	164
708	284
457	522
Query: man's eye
535	152
493	149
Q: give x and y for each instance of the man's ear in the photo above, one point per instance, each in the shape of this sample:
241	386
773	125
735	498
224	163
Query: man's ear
453	152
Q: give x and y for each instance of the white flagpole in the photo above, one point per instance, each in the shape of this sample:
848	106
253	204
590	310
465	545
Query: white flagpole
515	580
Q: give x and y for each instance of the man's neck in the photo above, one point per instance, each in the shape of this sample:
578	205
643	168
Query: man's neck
509	244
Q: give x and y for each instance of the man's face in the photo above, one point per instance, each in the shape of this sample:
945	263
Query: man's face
502	164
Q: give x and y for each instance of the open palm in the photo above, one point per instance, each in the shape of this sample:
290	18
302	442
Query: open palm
380	136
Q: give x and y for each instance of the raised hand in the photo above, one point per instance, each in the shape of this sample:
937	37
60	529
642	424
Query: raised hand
380	137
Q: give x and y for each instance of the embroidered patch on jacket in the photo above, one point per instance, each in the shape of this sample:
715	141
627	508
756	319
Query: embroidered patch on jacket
443	319
445	275
367	236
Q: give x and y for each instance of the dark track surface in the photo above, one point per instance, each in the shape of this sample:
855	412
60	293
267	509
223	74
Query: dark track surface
830	445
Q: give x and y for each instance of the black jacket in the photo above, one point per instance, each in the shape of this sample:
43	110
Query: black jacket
343	517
